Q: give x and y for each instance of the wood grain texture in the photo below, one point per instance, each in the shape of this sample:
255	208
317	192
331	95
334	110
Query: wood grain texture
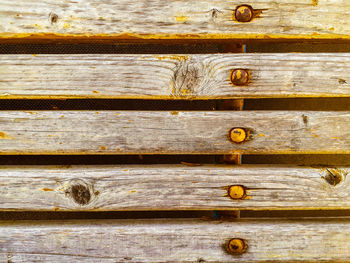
173	76
314	240
157	19
162	132
171	187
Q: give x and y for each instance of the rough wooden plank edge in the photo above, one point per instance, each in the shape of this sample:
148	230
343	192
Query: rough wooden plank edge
173	76
162	132
172	187
325	240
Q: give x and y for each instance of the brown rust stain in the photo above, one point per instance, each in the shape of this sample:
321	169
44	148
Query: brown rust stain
305	119
103	148
342	81
314	2
5	136
191	164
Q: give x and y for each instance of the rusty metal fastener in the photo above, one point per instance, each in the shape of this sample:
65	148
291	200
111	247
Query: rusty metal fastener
238	135
236	192
240	77
244	13
237	246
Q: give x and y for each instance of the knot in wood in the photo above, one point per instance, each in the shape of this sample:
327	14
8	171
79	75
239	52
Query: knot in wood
53	18
244	13
189	76
237	246
80	194
335	176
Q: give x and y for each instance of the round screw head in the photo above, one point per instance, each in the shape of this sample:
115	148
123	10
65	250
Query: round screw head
244	13
237	246
236	192
238	135
240	77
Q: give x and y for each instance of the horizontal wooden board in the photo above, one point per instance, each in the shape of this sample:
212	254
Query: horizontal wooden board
162	132
164	240
184	19
173	76
171	187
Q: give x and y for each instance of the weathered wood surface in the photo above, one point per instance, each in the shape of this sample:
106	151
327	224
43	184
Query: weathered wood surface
173	76
158	19
171	187
313	240
162	132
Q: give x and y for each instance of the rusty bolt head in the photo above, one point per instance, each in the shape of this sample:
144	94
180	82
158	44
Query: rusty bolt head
244	13
236	192
240	77
238	135
237	246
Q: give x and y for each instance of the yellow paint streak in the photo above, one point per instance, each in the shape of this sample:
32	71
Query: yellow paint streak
181	18
173	57
47	189
132	191
5	136
133	36
66	25
314	2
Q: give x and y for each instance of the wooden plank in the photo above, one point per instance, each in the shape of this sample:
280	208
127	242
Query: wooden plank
162	132
325	240
182	19
172	187
173	76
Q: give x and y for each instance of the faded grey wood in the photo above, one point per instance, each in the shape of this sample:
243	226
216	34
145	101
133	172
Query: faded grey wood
173	76
162	132
158	19
312	240
171	187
